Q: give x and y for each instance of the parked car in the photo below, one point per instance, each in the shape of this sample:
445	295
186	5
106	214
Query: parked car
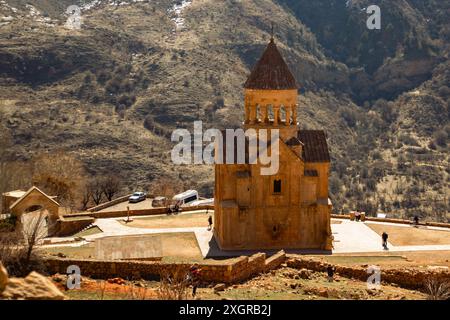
159	202
137	197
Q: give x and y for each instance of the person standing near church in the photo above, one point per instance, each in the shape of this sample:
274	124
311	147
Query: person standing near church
385	237
210	222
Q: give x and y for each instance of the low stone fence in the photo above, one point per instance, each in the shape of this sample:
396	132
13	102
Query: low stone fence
68	227
109	203
406	277
391	220
229	272
146	212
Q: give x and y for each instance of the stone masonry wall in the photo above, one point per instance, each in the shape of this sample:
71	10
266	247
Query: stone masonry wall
391	220
145	212
406	277
70	227
228	272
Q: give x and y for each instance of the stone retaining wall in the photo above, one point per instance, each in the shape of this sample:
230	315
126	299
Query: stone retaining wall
391	220
406	277
238	270
67	227
109	203
146	212
275	261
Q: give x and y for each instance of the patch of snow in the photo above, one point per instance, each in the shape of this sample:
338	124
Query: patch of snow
177	11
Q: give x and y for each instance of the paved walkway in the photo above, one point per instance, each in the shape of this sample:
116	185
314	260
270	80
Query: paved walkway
112	227
350	237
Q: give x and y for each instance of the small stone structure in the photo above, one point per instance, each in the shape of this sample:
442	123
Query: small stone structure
8	198
33	200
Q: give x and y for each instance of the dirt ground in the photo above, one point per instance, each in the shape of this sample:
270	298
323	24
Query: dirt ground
146	204
410	236
102	290
183	220
281	284
418	259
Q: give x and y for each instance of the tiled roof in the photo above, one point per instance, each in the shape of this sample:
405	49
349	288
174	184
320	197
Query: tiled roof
315	145
28	193
271	72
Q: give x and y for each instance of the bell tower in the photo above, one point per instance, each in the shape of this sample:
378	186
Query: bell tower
271	95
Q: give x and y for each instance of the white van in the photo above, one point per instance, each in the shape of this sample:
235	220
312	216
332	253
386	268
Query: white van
186	197
205	202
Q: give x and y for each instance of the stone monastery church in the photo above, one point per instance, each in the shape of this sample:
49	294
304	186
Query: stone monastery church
288	210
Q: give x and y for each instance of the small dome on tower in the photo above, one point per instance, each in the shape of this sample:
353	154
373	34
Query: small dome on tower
271	72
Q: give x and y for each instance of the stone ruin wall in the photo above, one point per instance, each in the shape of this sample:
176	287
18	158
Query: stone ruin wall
407	278
238	270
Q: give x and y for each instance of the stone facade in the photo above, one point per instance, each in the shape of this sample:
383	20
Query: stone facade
33	200
288	210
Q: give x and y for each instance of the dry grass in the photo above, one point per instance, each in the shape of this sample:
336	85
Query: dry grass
173	285
176	246
187	220
410	236
438	289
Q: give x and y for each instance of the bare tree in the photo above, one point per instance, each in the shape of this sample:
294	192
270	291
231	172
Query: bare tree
163	187
87	195
110	186
60	174
34	229
95	185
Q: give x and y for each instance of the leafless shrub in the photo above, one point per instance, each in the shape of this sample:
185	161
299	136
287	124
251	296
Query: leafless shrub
174	284
60	174
102	290
110	185
437	289
95	185
136	293
15	255
34	229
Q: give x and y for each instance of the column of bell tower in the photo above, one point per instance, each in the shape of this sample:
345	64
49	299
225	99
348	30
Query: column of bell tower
259	103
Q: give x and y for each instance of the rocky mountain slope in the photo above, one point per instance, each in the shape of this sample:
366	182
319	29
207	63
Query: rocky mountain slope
112	92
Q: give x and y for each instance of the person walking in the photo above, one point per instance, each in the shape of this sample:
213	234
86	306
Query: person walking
210	222
416	221
330	272
385	237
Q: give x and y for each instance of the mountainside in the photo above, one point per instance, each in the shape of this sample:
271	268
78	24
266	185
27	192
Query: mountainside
113	92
